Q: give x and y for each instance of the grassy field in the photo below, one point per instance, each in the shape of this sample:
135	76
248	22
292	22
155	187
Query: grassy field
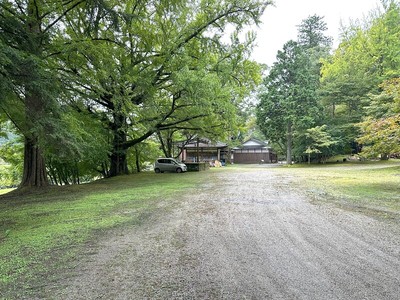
370	187
50	225
53	224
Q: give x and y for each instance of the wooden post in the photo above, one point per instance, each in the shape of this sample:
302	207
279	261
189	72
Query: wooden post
198	154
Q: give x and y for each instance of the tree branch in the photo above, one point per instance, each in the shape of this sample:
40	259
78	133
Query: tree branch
169	125
12	12
62	15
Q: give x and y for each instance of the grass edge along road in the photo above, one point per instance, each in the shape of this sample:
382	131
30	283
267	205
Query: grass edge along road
42	231
372	188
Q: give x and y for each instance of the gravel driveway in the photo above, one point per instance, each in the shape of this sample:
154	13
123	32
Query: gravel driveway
244	235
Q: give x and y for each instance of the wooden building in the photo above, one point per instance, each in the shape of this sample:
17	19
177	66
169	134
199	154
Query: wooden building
254	151
203	150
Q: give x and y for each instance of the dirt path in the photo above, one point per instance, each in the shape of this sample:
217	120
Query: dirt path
244	236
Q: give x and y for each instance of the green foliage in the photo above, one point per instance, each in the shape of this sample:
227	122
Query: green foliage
318	141
138	68
367	57
11	156
288	99
11	169
380	137
32	88
311	33
380	129
144	154
171	69
81	149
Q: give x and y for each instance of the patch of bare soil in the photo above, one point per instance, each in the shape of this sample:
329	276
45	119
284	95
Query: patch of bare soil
245	235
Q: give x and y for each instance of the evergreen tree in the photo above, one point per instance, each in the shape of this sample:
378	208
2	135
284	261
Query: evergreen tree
288	99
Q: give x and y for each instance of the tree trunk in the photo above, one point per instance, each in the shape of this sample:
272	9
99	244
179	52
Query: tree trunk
289	144
34	174
118	162
384	156
137	159
166	142
119	165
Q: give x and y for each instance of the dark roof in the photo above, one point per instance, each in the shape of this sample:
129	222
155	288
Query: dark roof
203	144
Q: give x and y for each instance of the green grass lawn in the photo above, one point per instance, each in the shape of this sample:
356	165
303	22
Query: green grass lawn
368	186
50	224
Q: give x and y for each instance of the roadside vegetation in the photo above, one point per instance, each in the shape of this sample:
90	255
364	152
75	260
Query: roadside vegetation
370	187
46	228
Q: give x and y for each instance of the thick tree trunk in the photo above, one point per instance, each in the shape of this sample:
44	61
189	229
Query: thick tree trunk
289	144
34	174
119	165
118	157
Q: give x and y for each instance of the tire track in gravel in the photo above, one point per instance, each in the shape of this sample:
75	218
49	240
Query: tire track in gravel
245	235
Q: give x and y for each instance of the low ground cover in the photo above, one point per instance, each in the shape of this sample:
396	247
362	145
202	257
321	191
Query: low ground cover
371	187
49	225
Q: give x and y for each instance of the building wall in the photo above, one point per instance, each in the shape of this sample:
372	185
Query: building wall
240	156
253	156
204	155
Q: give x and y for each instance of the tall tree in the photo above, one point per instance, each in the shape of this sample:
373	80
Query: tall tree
29	93
164	67
311	33
288	99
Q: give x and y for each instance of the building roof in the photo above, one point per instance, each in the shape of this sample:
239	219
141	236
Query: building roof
254	143
203	144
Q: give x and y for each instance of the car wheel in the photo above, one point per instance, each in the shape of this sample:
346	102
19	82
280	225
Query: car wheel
157	170
178	170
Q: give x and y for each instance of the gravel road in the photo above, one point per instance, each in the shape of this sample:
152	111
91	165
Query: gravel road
244	235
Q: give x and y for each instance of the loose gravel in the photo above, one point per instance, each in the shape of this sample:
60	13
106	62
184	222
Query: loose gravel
244	235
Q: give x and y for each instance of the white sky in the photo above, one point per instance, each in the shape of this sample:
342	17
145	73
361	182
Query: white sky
279	22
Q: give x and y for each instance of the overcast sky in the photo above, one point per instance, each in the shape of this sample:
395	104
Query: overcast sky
279	22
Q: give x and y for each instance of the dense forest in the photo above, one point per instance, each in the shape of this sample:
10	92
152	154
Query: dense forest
317	102
95	88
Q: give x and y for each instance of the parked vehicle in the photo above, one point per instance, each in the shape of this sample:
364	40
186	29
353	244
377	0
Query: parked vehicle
170	165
